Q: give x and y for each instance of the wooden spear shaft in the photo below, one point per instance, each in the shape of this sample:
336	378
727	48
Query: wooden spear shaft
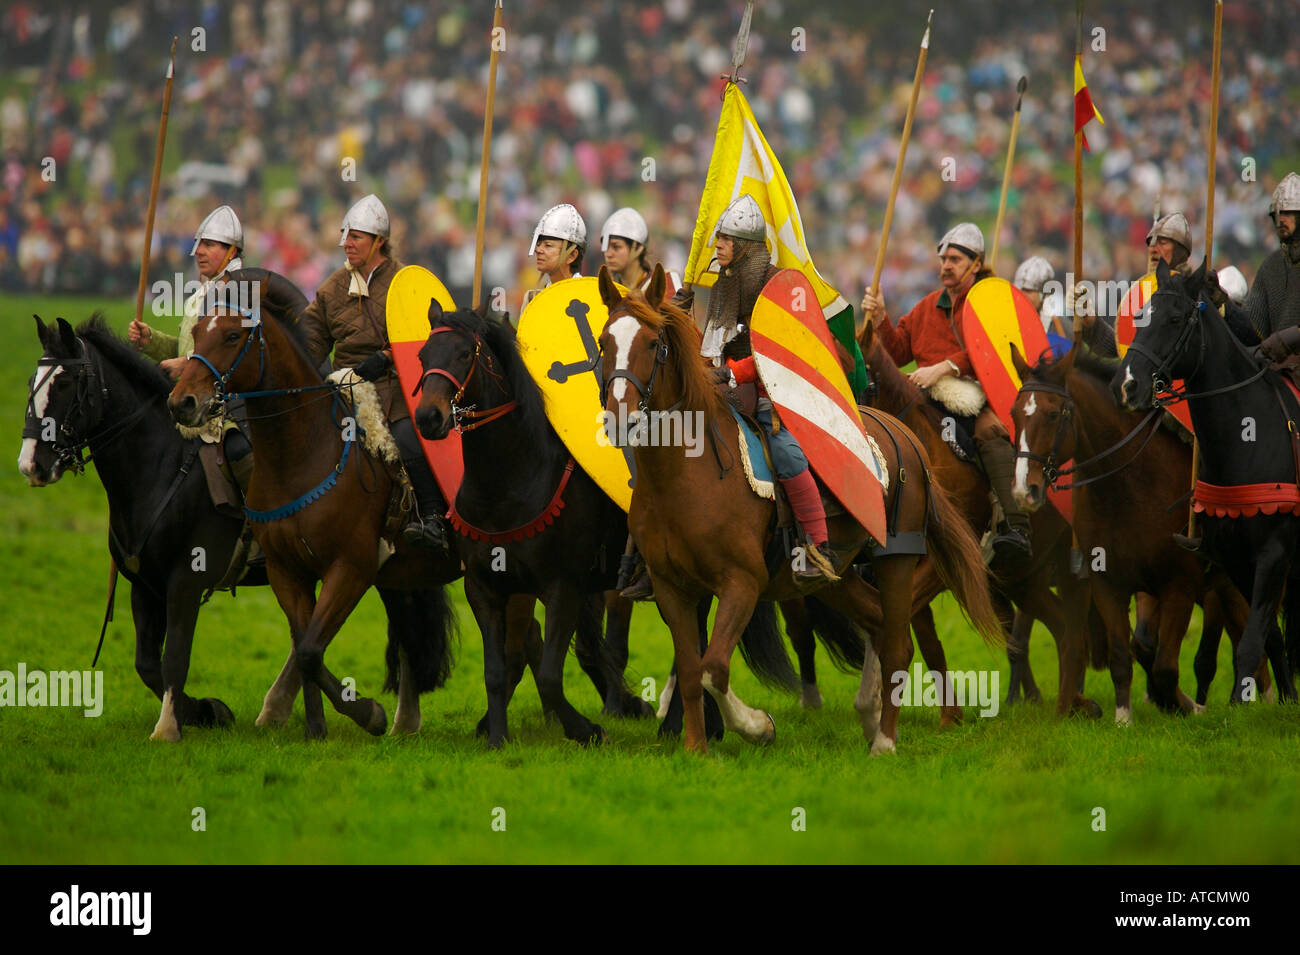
902	154
1209	220
1078	185
1006	172
481	226
153	185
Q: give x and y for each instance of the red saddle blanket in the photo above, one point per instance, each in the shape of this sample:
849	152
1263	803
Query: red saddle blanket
1247	500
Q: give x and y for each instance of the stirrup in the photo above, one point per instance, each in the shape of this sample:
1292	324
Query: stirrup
817	565
430	535
1012	544
642	588
1194	544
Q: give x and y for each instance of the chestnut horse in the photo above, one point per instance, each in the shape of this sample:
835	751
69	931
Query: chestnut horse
1127	508
317	515
702	531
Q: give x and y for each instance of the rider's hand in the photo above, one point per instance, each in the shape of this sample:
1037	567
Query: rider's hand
374	366
873	305
927	376
173	367
1079	305
723	376
139	334
1213	291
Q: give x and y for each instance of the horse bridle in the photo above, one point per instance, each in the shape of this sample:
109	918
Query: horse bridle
73	436
1162	372
254	319
469	413
643	388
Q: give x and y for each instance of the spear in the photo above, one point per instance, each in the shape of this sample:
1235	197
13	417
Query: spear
1209	218
902	154
1006	173
481	225
742	44
153	185
1078	181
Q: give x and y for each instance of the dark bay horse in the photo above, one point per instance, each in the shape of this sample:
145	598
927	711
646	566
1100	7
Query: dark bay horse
105	397
530	521
705	533
1031	590
1127	506
1248	425
318	516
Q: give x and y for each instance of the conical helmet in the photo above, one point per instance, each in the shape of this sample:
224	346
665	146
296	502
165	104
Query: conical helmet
1033	274
561	222
221	225
1286	197
1173	226
742	220
368	215
625	223
966	236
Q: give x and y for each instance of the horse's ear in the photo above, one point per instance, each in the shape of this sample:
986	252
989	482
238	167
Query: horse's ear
608	291
435	313
1018	362
654	294
481	309
1196	281
1162	273
41	329
67	337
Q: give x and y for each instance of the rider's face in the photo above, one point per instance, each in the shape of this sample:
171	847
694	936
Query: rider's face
1162	250
357	247
726	249
548	255
617	254
209	256
1286	224
954	267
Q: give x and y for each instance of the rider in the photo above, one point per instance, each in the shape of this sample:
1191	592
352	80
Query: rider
745	266
347	317
559	243
1031	275
1270	314
218	244
623	239
929	335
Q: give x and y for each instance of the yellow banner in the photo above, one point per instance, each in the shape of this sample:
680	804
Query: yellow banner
743	163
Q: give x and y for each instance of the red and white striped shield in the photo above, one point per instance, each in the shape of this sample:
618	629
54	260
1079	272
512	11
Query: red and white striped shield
796	359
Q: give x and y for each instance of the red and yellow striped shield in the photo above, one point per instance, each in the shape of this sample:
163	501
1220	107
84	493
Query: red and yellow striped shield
1135	308
797	362
996	316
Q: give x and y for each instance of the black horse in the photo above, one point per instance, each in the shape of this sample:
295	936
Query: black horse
1246	422
530	521
92	391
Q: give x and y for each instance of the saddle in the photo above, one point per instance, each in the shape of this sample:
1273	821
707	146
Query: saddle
961	436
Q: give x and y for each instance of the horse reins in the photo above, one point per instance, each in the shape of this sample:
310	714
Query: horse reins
462	413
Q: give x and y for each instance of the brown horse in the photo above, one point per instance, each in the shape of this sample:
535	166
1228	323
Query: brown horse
1126	510
1030	590
318	516
703	532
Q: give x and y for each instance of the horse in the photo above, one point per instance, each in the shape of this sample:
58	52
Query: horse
1246	488
543	529
704	533
103	396
1030	591
311	528
1125	512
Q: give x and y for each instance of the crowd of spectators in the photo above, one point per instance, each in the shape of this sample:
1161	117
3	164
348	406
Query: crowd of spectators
272	99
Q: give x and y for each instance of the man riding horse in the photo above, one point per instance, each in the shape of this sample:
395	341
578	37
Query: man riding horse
348	319
559	243
929	335
1270	315
218	245
745	267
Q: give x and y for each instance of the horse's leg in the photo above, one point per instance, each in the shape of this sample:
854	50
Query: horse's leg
1272	563
1176	602
406	719
680	613
278	705
1207	651
1146	635
1112	605
150	617
735	607
666	698
801	637
618	625
564	605
927	639
490	614
1017	653
1075	607
179	709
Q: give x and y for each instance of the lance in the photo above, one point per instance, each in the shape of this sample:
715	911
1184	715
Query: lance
898	165
1209	219
1006	172
1078	181
481	225
153	185
742	44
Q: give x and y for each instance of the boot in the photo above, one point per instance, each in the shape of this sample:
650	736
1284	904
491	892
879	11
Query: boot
239	455
428	529
633	574
806	503
1011	542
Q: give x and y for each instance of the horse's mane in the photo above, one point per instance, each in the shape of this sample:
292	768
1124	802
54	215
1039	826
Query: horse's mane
677	330
144	374
500	338
1095	367
896	392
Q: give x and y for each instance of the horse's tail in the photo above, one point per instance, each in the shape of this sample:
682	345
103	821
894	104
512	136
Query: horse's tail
843	642
957	558
763	649
422	623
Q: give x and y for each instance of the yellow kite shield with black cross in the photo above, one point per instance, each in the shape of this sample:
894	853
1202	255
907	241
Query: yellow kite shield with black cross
796	359
558	335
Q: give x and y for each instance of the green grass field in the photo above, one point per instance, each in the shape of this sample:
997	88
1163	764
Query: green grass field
1020	787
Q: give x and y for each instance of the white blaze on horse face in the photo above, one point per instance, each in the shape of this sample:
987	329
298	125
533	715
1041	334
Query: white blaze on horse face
624	331
1031	405
40	401
1128	377
1020	487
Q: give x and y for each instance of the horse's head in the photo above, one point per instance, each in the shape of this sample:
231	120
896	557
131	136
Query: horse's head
462	374
1171	343
1043	415
229	356
634	347
64	404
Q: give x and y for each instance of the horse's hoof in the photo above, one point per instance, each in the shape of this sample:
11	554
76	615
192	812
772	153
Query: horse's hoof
378	719
272	716
1034	696
1123	716
170	733
216	713
882	744
769	737
404	725
481	730
1089	708
315	732
596	736
810	698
